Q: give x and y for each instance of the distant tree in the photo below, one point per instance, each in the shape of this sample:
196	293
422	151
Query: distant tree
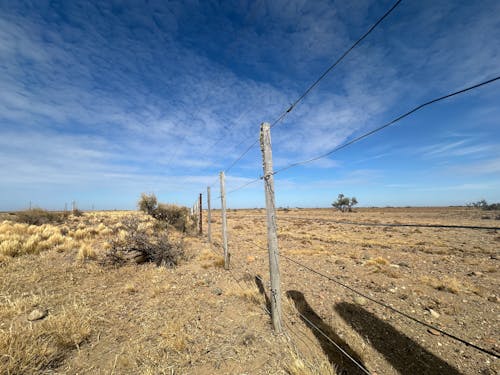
345	204
482	204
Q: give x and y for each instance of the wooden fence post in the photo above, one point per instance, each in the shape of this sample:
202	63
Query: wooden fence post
224	219
200	204
272	237
209	217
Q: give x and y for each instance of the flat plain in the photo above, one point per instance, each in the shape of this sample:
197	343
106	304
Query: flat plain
198	318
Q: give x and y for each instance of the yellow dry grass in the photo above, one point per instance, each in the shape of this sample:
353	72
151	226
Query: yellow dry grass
36	347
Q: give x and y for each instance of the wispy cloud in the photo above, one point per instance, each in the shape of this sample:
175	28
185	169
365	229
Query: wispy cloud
93	93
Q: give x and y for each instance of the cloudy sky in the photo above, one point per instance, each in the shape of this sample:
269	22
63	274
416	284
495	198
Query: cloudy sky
103	100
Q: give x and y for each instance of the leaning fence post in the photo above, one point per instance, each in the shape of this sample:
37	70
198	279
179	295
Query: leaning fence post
272	237
200	204
224	219
209	217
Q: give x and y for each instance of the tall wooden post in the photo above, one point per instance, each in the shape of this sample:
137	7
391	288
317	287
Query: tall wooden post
224	219
209	217
272	237
200	204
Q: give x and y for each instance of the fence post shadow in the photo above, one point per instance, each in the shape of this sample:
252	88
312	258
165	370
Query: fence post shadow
262	290
405	355
343	364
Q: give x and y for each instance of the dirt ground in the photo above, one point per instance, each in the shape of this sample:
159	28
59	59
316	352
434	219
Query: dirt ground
198	318
445	277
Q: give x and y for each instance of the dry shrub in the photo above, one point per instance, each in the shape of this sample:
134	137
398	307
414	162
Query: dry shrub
38	216
142	245
176	216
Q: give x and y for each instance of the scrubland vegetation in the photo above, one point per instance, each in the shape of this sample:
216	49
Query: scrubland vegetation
139	292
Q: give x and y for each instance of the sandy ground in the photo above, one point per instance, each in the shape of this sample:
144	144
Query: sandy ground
445	277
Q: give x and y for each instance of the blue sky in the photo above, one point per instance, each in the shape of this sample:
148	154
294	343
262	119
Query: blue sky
100	101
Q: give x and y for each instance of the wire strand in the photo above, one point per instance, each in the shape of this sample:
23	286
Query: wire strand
392	122
330	68
411	225
467	343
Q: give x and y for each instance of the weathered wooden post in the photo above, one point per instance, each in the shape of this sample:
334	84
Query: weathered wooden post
200	205
224	219
272	237
209	217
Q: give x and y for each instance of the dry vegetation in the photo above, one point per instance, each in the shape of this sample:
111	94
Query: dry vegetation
66	308
96	316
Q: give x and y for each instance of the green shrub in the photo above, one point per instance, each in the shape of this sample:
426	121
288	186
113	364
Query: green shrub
345	204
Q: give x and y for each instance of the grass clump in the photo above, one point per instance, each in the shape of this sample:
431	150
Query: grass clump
43	346
447	284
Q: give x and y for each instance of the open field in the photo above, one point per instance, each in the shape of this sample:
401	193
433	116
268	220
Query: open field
199	319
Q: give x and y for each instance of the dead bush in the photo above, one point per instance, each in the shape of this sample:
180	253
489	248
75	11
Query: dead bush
38	216
138	244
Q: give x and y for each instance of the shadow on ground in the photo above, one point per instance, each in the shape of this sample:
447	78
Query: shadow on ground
342	363
262	290
404	354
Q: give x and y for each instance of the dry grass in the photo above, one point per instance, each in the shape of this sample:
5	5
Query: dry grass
446	284
37	347
249	294
210	259
86	252
298	365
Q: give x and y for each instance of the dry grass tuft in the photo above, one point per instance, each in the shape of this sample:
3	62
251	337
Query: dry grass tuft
250	294
447	284
379	261
86	252
29	348
210	259
300	366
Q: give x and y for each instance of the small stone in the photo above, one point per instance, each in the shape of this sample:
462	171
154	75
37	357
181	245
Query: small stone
493	298
360	300
435	314
37	314
217	291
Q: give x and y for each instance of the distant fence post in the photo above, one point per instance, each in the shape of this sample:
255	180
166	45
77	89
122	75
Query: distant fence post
209	217
200	204
272	237
224	219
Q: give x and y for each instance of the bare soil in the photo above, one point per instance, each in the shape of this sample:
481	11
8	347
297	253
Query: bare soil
445	277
